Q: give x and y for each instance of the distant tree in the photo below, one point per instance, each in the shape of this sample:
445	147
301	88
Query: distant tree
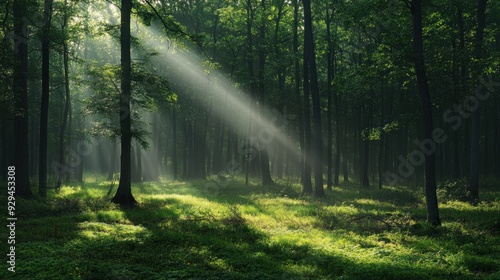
263	153
475	114
20	88
67	100
44	107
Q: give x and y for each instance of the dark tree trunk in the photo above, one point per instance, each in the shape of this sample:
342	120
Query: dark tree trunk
382	135
218	148
249	60
307	153
338	136
185	153
457	57
174	143
123	195
70	120
430	172
20	88
33	130
66	103
310	62
365	156
112	161
136	163
329	84
305	171
345	159
475	115
44	107
263	153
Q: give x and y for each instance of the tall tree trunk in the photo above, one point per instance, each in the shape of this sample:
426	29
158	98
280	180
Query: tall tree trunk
382	135
187	141
430	172
174	143
306	185
310	62
66	99
21	99
70	120
123	195
457	57
365	156
44	109
475	115
249	60
264	154
136	163
329	85
306	180
112	161
218	148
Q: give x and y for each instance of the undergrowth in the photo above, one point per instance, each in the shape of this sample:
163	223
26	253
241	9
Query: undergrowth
179	230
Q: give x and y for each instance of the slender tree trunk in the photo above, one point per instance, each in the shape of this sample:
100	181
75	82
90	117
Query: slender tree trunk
475	115
307	153
306	186
430	171
44	109
249	60
310	62
66	99
187	138
112	161
174	143
365	157
70	120
123	195
218	148
306	180
382	135
20	88
329	85
264	154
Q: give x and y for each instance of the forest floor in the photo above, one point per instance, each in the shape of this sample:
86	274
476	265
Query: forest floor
225	230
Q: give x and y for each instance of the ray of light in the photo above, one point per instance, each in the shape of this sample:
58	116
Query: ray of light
214	91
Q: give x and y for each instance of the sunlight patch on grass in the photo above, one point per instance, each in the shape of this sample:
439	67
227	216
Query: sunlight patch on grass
93	230
373	203
272	231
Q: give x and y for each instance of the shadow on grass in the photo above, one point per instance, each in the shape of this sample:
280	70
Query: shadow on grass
87	238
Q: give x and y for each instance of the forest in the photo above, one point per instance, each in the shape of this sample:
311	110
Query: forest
250	139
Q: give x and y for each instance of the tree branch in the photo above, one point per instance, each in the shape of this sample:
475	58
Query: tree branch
177	29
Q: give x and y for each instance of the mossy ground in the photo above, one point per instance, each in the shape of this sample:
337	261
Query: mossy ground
226	230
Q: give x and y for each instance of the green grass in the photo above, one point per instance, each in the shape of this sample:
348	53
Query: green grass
226	230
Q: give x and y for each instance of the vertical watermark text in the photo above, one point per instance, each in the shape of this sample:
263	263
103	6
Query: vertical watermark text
11	218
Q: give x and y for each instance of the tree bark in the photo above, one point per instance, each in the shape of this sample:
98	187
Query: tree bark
310	62
44	107
264	154
430	172
66	99
305	172
329	85
475	114
123	195
20	88
174	143
365	156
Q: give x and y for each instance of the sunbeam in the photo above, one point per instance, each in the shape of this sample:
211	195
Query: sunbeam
213	90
